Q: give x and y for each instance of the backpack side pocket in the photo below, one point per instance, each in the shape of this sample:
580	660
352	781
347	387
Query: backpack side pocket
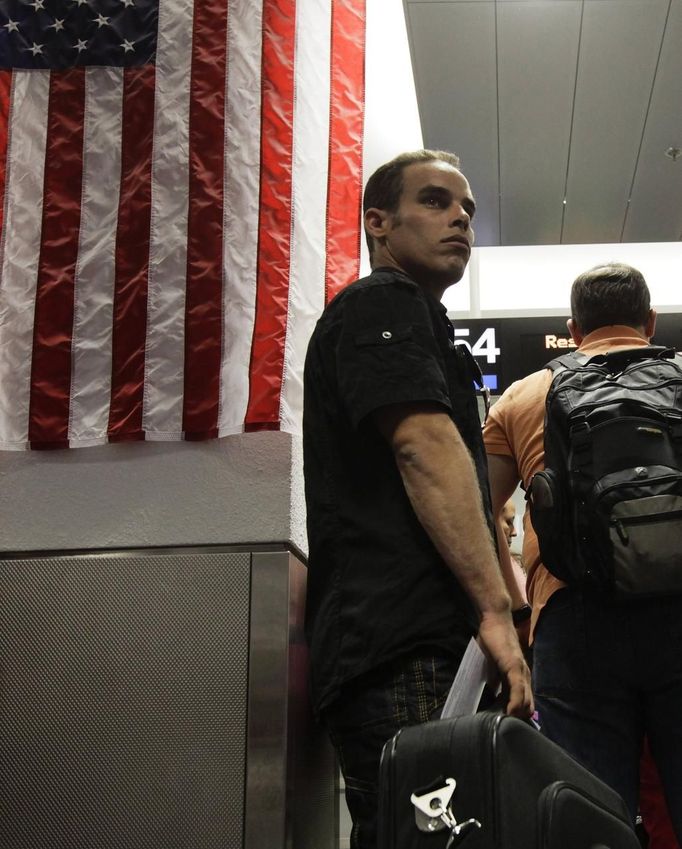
546	515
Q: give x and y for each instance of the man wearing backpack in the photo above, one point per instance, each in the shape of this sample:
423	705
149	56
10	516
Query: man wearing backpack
606	669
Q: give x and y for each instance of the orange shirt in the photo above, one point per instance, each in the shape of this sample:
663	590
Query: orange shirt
515	428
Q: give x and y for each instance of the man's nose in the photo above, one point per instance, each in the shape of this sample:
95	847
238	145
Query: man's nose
460	218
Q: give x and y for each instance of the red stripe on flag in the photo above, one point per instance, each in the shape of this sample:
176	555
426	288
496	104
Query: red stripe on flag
5	103
54	305
132	256
274	226
346	127
204	295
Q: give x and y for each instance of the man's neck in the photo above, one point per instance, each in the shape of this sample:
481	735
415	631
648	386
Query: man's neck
435	290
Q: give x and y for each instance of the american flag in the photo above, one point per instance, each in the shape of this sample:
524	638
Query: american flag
181	192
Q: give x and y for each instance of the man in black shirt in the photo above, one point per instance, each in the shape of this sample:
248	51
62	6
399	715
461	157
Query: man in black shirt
402	569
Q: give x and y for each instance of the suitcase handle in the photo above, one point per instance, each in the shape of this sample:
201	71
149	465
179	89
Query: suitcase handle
433	813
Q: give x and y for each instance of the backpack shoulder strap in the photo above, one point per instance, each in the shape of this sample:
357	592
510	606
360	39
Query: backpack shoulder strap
619	358
571	361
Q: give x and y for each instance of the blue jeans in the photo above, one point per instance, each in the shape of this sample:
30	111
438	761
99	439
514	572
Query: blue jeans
369	711
604	675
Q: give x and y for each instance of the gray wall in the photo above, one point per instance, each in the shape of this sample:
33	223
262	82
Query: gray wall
241	489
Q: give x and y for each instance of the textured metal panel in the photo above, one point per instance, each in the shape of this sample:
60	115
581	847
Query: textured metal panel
291	780
266	774
313	799
453	56
123	701
618	57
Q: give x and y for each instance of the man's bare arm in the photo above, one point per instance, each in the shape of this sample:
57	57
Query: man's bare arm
504	478
441	483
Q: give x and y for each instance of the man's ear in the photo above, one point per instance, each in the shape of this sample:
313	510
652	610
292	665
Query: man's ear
650	326
576	335
376	222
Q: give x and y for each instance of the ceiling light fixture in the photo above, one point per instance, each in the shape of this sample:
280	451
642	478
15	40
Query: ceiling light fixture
674	153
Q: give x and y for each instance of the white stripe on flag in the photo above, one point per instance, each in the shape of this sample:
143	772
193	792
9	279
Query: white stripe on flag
311	160
164	369
241	193
94	285
24	188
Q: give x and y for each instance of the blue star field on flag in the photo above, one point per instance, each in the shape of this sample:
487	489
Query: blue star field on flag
60	34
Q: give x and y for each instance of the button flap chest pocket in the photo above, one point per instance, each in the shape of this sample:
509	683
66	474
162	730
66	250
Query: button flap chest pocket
384	335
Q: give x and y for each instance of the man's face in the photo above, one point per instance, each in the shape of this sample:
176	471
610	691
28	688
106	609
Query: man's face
508	514
430	235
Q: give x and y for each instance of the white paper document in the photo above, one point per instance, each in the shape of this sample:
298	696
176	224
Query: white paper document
467	688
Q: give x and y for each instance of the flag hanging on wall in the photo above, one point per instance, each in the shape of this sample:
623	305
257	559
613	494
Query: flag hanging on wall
181	191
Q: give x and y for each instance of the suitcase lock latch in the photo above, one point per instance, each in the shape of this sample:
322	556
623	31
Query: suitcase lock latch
432	812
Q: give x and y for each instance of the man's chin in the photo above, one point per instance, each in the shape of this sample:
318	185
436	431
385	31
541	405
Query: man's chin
454	275
440	277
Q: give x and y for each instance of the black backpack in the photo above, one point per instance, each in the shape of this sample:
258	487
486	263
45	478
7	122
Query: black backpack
607	509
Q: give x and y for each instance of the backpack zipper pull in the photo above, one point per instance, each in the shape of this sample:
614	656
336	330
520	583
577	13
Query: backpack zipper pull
620	529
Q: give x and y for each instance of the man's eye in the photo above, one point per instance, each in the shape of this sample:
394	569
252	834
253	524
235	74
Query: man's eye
433	201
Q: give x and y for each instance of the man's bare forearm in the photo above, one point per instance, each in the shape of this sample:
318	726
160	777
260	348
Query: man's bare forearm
441	483
507	567
504	479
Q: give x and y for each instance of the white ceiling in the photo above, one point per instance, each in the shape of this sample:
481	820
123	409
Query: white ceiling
547	101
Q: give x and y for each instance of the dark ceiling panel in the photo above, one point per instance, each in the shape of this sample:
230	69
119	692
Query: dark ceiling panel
619	50
524	145
453	54
537	52
655	212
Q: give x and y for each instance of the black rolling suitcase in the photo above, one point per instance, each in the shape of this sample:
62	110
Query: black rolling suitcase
489	781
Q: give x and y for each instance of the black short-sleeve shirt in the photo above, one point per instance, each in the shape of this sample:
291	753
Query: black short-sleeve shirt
377	587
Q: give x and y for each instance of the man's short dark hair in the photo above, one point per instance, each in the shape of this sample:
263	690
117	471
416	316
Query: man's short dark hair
614	293
385	186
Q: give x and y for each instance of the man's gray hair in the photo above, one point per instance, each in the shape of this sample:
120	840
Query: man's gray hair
613	293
